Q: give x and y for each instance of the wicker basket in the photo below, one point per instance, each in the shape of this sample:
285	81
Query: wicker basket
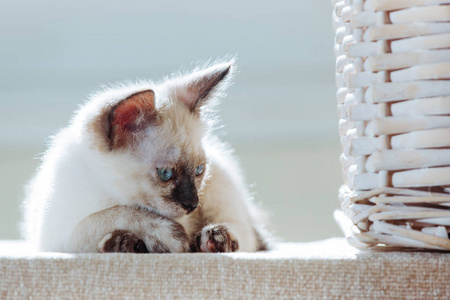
393	78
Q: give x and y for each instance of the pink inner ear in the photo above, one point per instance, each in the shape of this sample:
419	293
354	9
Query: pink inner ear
135	109
132	114
126	114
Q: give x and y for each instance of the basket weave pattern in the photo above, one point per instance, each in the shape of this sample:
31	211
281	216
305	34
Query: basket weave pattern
393	79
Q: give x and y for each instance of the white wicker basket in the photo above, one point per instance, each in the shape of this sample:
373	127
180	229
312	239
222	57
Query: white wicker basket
393	78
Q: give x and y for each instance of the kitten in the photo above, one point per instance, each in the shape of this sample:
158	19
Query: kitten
138	170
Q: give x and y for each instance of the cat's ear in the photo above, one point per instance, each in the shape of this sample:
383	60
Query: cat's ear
129	117
197	88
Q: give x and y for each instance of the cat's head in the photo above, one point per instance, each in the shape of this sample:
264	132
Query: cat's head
152	138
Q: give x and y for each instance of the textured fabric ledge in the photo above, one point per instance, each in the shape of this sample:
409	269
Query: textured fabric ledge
325	269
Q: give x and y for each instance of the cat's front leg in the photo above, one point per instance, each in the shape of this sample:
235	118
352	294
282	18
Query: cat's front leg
125	229
230	221
216	238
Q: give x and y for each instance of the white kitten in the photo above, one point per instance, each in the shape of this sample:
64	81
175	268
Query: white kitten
138	170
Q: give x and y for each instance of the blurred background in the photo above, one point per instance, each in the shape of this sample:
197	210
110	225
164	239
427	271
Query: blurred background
280	115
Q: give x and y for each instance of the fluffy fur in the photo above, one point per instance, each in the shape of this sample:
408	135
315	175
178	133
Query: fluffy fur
98	190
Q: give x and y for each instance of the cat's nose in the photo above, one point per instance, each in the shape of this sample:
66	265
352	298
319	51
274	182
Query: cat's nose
185	193
189	208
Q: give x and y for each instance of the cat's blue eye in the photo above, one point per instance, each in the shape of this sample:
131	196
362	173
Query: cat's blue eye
199	169
165	173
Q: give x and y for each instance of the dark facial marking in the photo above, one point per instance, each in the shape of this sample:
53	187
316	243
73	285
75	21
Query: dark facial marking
185	191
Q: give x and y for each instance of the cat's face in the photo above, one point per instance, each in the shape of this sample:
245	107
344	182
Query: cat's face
173	163
155	140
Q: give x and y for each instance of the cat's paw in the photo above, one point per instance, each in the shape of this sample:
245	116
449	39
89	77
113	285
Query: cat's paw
122	241
216	238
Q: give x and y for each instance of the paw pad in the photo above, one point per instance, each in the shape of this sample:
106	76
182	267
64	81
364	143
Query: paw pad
216	238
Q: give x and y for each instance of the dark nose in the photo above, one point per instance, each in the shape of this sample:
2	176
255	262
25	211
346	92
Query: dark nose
190	201
185	193
189	208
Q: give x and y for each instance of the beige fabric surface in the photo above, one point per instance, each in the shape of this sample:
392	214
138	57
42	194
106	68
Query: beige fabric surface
326	269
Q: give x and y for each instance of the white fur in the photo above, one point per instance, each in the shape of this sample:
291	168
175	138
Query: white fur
76	179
